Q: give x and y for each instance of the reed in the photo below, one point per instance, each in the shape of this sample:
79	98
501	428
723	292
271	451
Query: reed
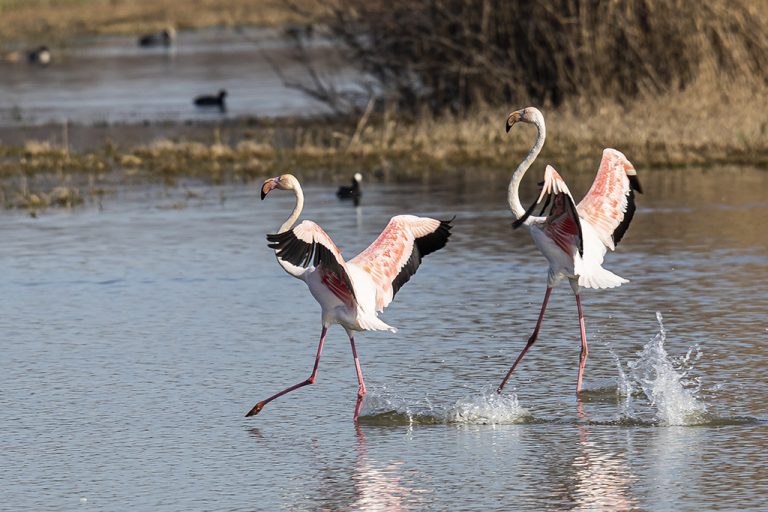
454	55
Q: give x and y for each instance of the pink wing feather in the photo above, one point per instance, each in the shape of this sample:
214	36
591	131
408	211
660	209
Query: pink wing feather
609	204
562	223
396	254
308	244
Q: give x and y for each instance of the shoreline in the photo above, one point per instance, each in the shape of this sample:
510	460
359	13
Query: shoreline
58	22
45	172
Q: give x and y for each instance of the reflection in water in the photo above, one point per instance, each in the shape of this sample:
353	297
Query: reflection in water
381	486
603	478
359	218
133	336
671	475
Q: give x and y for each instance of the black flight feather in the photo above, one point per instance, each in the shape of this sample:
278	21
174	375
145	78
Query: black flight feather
575	214
292	249
618	233
519	222
422	246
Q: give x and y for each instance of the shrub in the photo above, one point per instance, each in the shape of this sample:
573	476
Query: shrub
453	54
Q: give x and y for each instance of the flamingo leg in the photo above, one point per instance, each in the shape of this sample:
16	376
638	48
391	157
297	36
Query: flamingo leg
311	380
531	340
584	347
360	381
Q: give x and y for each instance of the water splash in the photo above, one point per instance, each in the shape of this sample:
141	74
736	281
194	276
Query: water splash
488	408
665	381
382	407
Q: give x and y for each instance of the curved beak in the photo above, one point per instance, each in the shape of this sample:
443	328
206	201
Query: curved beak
513	118
268	186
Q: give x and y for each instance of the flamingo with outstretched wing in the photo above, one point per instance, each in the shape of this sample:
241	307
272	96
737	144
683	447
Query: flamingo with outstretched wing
350	293
574	238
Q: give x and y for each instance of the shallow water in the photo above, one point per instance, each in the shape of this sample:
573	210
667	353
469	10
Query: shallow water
111	79
136	336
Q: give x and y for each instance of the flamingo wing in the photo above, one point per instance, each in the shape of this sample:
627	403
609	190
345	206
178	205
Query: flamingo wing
610	203
307	244
562	223
396	254
560	219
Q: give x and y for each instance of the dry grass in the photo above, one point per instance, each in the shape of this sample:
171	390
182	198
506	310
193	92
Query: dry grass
456	55
36	21
706	125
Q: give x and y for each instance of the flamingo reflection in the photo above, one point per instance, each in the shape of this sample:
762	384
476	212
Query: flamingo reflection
603	478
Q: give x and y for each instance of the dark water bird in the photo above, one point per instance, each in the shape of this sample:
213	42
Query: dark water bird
352	292
299	30
40	56
574	238
208	100
354	192
163	38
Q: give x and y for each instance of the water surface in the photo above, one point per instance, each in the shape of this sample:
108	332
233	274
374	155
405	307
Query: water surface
137	335
111	79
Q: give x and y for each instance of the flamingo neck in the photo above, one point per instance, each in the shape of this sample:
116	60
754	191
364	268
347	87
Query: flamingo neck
513	193
294	270
291	220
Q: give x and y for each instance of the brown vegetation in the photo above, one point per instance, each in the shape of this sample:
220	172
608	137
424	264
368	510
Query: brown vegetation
31	20
669	130
664	99
457	54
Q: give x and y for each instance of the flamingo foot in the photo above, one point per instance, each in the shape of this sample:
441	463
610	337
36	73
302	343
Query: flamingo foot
256	409
359	405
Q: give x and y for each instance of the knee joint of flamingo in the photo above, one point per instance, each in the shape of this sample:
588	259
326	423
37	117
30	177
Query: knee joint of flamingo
311	379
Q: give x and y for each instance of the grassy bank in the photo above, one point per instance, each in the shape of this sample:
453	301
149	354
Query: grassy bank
677	129
46	21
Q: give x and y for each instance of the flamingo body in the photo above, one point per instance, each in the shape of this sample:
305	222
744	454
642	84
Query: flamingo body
351	293
574	238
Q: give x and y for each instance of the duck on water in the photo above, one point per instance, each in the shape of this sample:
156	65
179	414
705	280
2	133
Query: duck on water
208	100
354	192
163	38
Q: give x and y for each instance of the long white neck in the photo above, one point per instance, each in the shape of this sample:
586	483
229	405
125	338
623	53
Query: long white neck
290	221
294	270
513	193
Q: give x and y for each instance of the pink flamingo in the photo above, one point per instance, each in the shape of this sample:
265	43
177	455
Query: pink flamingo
351	292
574	239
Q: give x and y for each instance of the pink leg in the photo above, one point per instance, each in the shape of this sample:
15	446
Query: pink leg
361	383
531	340
311	380
584	347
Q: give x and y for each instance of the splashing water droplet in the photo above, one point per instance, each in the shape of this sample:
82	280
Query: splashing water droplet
666	383
484	408
488	408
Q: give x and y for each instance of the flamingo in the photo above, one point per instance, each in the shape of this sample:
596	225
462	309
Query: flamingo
350	293
574	238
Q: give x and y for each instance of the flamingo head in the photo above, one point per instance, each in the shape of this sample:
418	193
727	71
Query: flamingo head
282	182
525	115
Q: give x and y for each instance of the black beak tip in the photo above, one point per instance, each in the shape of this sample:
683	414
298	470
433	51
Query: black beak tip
508	126
263	195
